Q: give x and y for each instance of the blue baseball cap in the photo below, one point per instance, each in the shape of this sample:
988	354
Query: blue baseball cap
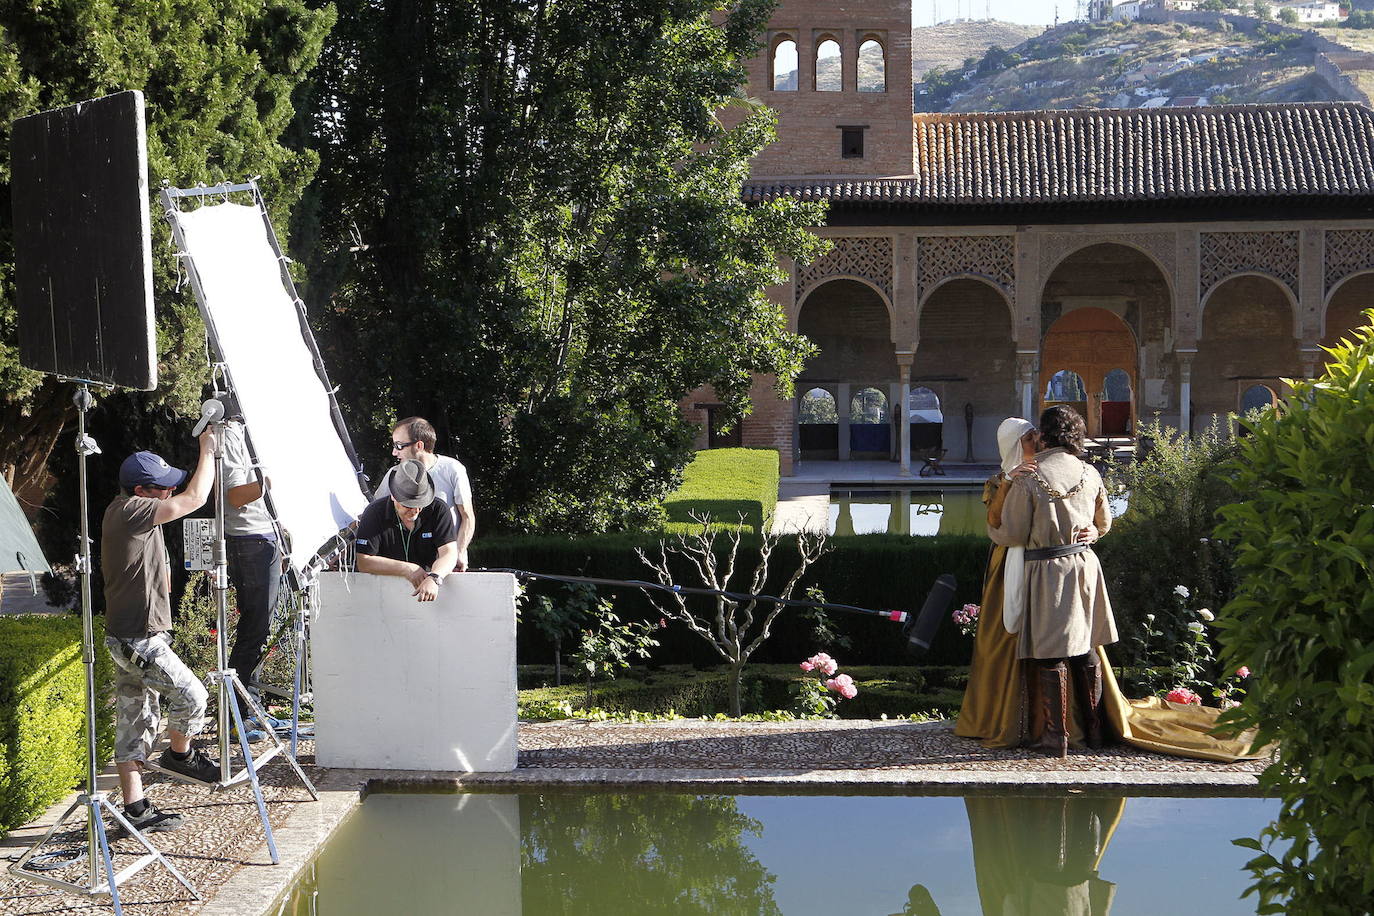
145	469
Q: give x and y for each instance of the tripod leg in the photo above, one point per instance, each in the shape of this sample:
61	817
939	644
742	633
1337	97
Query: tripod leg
152	850
93	813
276	739
252	769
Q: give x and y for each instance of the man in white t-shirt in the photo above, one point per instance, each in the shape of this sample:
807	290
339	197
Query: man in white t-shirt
414	437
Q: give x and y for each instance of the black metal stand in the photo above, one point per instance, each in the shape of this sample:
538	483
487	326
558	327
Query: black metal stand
92	802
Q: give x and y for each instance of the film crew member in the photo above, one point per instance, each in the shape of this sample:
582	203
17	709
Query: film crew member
409	532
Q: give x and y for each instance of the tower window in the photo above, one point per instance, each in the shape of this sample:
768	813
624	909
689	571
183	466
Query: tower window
785	66
872	67
829	66
852	142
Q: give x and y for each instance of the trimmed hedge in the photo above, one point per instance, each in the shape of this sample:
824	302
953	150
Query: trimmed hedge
727	484
891	690
43	713
877	571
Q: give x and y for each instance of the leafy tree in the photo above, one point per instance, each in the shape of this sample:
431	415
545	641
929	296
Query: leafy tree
218	80
1288	15
1303	622
1263	9
549	247
1213	6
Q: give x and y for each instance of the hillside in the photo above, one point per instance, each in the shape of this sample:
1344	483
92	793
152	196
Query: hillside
1121	65
948	45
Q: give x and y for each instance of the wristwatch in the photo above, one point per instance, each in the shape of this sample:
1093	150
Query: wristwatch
436	577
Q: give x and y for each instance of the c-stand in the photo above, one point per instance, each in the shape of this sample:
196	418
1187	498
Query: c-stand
92	802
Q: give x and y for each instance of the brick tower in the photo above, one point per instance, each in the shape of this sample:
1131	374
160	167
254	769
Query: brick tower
838	72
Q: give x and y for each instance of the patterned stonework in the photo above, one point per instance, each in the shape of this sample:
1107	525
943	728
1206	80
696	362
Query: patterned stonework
941	257
1224	254
1348	251
867	258
1161	246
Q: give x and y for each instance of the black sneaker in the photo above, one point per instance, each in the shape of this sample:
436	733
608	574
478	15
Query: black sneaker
198	766
150	821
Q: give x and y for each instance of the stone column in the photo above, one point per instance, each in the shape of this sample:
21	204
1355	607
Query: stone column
1185	389
902	523
1187	292
1026	383
842	408
1311	361
903	414
1311	287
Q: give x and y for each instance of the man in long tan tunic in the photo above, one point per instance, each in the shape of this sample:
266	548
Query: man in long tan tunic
1056	513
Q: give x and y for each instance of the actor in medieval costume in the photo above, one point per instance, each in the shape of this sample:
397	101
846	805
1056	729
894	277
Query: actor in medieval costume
1056	512
996	703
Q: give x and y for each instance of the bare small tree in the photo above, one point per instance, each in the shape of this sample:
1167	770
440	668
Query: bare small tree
739	625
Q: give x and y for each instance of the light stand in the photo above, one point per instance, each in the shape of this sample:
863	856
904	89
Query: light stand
227	679
92	801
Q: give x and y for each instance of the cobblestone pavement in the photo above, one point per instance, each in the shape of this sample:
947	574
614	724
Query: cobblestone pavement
224	833
818	745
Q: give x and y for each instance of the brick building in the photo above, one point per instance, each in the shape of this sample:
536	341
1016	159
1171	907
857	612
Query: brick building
1135	263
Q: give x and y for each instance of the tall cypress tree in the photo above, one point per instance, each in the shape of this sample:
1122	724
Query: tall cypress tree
531	231
218	78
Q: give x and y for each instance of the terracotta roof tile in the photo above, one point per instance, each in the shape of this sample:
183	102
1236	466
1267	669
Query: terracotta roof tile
1101	155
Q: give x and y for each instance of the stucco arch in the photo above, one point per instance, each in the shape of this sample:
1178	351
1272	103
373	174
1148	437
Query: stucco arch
1288	294
1166	272
821	284
1332	293
944	281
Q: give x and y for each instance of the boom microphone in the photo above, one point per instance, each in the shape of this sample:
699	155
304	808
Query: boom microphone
920	630
212	411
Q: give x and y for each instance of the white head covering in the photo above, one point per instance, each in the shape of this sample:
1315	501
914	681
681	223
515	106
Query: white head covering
1009	441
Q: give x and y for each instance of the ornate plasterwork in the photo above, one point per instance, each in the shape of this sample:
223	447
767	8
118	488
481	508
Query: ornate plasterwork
1225	254
1348	251
1161	246
867	258
992	257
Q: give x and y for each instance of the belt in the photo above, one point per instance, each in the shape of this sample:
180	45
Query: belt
1054	553
128	651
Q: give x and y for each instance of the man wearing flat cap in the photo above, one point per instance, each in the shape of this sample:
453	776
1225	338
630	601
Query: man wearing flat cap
409	532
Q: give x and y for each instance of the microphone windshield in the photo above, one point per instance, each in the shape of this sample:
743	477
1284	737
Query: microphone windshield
920	630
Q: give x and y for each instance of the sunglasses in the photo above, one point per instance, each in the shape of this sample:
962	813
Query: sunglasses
398	446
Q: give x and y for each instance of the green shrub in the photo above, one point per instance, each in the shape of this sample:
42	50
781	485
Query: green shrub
43	712
873	571
1303	621
1167	539
731	485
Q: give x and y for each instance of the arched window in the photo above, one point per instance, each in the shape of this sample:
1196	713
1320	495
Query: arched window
829	75
1116	386
1066	385
1257	397
872	67
785	66
818	406
868	406
923	406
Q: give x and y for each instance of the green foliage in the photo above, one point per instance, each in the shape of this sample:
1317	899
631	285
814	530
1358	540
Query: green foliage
606	649
678	690
872	571
218	80
1303	620
726	484
195	636
43	712
544	202
1166	539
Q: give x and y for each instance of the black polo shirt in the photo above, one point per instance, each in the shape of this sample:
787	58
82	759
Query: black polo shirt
381	534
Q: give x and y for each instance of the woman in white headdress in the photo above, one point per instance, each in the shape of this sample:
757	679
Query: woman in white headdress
995	708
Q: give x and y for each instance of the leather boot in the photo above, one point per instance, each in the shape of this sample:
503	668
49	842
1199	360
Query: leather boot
1054	696
1087	685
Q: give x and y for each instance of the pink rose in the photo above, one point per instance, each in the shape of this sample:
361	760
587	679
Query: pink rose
1242	672
1183	695
807	665
849	692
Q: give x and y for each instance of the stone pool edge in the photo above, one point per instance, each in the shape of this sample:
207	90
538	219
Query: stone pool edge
258	888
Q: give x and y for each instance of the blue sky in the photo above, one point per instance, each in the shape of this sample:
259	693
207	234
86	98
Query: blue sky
1032	12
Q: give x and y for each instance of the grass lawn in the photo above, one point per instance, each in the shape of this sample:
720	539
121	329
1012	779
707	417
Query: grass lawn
727	484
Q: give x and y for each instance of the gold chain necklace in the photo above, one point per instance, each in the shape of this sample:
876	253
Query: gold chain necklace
1054	494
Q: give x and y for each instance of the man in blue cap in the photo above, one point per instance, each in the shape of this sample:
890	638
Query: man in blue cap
138	622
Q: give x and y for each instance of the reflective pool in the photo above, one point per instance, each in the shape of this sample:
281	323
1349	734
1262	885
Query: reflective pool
532	854
915	510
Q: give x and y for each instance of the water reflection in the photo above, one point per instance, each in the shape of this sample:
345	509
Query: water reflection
578	854
921	511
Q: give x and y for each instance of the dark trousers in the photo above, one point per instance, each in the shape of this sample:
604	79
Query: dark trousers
255	573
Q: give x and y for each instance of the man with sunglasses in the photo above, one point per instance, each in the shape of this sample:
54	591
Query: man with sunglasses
415	438
138	623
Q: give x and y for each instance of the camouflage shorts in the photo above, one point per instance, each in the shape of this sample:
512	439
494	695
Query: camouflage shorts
145	668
